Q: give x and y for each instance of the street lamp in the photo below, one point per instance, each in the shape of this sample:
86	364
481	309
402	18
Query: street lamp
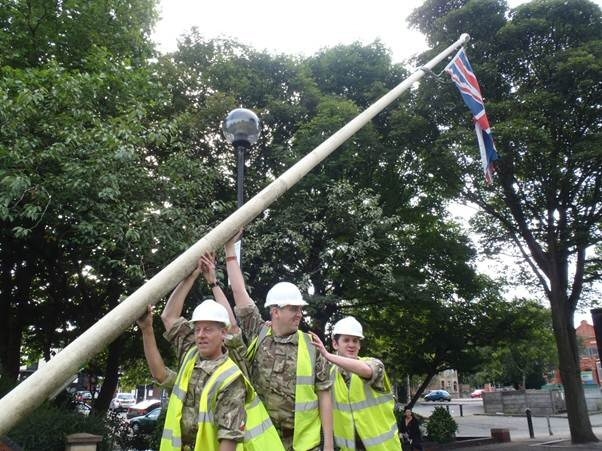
241	129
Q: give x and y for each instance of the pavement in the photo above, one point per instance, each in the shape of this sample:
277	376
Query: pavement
550	433
519	435
538	445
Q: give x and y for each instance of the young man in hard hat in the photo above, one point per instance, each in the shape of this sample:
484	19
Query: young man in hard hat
290	376
212	405
363	410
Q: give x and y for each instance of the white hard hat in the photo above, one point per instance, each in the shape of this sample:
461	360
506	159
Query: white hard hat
348	326
284	293
209	310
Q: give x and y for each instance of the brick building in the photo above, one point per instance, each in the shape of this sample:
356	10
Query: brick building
591	371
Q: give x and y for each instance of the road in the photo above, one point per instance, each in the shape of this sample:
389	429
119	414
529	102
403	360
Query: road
475	424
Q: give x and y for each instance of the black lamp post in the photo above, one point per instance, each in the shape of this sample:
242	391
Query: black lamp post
241	129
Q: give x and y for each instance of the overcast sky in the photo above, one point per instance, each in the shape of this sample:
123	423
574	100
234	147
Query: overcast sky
294	28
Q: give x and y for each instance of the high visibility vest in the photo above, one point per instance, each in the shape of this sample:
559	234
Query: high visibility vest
307	433
358	407
260	433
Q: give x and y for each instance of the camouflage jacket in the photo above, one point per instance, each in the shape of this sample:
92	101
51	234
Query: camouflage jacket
230	414
274	369
377	381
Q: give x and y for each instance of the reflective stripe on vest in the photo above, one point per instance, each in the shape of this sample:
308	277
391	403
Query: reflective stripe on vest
260	435
307	434
222	377
171	440
369	412
307	416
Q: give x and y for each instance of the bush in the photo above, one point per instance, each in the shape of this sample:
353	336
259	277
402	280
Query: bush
47	427
155	440
441	427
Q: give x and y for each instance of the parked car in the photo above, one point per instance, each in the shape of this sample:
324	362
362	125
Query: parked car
437	395
145	423
83	408
143	407
83	396
477	393
122	401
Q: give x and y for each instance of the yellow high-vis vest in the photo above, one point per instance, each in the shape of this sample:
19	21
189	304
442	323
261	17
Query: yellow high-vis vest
260	433
307	433
369	412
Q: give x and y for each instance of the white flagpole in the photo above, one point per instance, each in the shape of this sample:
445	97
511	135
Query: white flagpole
41	384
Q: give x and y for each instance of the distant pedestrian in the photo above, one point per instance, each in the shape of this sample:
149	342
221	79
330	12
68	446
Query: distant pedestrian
410	430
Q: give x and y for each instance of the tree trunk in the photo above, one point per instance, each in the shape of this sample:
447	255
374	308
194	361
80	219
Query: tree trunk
425	383
109	385
524	380
15	286
570	372
10	350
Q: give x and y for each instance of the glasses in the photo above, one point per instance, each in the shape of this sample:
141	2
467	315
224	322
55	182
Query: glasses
292	308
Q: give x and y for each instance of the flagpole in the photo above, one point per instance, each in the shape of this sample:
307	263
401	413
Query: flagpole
42	383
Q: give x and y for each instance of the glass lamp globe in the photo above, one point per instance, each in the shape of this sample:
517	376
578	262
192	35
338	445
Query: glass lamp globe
241	127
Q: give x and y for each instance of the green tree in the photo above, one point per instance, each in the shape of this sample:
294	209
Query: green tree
540	72
81	198
90	156
366	231
35	32
525	354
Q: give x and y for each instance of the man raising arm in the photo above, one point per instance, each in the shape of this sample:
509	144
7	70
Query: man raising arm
290	376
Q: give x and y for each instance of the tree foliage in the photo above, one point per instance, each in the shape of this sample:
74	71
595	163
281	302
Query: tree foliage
525	355
36	32
539	69
87	199
112	164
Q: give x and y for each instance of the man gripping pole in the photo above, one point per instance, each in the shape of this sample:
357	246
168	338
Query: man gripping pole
33	391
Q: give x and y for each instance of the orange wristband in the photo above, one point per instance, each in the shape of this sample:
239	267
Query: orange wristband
231	258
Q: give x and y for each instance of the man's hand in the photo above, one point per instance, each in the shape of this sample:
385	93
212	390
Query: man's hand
145	322
206	266
232	241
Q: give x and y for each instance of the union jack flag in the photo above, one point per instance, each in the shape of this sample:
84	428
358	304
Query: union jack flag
463	76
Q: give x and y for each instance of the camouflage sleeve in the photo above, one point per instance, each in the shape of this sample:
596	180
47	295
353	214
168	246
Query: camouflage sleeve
250	321
169	381
230	415
323	381
237	351
181	337
377	381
